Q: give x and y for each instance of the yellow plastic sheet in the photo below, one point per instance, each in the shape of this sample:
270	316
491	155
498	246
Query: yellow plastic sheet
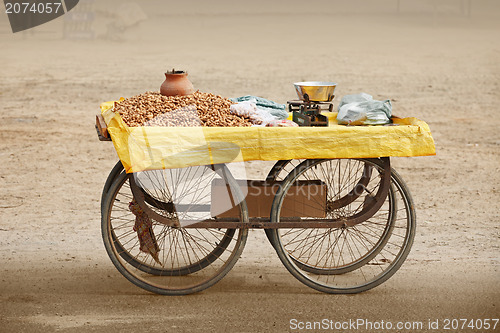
152	148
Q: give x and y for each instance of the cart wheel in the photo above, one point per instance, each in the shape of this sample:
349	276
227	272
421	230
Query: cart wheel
350	193
347	259
278	172
145	267
189	259
117	169
282	168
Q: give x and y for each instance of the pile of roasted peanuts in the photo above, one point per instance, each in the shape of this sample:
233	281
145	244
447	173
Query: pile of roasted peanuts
198	109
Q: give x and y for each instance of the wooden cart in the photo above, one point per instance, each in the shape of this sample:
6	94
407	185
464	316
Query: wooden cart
360	238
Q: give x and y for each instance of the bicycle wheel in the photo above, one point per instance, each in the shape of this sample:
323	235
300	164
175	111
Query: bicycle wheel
277	173
282	168
143	266
189	259
117	169
347	258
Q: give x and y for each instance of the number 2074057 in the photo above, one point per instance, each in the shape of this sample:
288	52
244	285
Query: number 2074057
33	7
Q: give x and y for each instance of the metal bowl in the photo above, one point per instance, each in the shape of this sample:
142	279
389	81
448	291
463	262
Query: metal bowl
316	91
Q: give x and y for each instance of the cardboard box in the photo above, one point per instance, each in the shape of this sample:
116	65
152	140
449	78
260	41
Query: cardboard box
306	198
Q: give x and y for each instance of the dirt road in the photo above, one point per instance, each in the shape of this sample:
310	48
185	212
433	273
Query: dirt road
435	63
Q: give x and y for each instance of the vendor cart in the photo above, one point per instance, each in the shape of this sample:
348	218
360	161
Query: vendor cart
339	216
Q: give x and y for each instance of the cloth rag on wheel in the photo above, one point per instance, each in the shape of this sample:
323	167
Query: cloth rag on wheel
144	228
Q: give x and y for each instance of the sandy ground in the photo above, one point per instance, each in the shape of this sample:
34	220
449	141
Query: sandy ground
432	59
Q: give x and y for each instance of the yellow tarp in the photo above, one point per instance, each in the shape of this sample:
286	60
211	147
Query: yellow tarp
150	148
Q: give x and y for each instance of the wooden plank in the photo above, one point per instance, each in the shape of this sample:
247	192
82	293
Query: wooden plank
101	125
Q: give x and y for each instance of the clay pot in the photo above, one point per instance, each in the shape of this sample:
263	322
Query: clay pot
176	84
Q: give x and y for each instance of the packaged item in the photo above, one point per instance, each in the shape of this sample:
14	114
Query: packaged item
249	109
362	109
277	110
282	123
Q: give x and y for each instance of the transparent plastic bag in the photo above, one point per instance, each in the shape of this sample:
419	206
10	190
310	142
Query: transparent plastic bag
250	110
362	109
277	110
282	123
362	97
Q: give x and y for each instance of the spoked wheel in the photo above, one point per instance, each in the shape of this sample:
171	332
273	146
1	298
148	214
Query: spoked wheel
115	172
283	168
277	173
353	255
156	203
187	260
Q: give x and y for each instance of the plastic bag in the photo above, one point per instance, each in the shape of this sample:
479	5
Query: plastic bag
362	97
362	109
250	110
282	123
277	110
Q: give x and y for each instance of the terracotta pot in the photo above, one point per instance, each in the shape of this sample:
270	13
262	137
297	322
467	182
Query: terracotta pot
176	84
